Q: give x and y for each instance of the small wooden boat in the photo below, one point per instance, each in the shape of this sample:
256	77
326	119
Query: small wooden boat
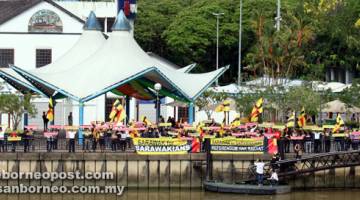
246	188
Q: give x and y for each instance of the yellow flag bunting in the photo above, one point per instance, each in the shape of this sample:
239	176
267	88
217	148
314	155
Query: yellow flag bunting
257	110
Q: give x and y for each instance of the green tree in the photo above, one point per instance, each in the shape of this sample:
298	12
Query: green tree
209	98
279	54
350	96
298	97
152	20
314	35
337	42
192	35
245	101
16	106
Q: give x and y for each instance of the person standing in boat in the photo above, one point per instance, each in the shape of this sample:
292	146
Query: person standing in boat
259	171
274	179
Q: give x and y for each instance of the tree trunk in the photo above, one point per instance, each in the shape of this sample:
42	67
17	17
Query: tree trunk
16	121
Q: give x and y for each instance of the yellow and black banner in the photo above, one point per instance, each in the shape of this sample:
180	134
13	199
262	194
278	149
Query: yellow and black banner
237	145
164	146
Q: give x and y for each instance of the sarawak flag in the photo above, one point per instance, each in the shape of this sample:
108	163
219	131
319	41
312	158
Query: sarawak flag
223	107
257	110
195	145
291	121
339	124
120	115
200	130
113	110
117	113
50	112
128	6
301	118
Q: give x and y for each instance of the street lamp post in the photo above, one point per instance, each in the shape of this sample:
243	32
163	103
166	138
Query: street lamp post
278	16
240	37
157	88
217	41
321	95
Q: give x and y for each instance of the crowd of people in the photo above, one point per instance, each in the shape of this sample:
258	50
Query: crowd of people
102	136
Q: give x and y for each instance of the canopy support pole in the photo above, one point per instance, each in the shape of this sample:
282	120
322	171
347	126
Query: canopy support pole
81	122
26	119
127	98
191	113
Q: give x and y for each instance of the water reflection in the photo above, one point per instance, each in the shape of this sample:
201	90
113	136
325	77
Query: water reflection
171	194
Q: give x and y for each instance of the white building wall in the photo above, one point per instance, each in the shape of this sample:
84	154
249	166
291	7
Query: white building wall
5	120
14	35
169	110
82	8
25	46
149	111
94	110
20	22
132	109
61	111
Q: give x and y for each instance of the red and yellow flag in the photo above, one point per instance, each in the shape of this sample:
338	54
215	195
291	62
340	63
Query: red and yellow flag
223	107
301	118
117	113
339	124
50	112
257	110
291	121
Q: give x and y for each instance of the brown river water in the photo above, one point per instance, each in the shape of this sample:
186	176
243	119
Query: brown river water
144	194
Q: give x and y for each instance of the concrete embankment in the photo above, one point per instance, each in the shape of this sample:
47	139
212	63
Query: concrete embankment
158	171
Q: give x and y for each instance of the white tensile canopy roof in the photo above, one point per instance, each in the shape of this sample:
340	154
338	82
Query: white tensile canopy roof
187	69
117	62
81	50
338	106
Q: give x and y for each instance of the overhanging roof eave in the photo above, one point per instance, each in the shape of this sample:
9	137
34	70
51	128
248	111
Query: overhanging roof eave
138	75
19	82
173	85
30	77
210	82
191	67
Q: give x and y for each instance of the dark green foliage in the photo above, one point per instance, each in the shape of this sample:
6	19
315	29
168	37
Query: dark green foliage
314	35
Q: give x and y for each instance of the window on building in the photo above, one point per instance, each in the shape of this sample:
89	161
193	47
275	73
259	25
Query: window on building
6	57
43	57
